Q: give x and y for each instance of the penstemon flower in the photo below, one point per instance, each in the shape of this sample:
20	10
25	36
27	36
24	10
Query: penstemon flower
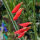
25	24
19	31
22	34
16	7
22	31
18	14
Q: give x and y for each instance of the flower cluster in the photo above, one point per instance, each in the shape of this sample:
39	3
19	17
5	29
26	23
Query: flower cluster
17	11
25	28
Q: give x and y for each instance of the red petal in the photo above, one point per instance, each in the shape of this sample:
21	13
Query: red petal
19	31
16	7
21	35
17	14
27	28
25	24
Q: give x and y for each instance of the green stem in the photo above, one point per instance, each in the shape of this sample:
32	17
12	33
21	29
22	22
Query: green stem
34	20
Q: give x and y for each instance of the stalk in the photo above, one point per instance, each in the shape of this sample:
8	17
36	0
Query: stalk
34	20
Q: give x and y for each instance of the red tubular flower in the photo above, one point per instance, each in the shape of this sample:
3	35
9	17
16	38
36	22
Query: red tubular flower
22	30
17	14
25	24
16	7
19	31
22	34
